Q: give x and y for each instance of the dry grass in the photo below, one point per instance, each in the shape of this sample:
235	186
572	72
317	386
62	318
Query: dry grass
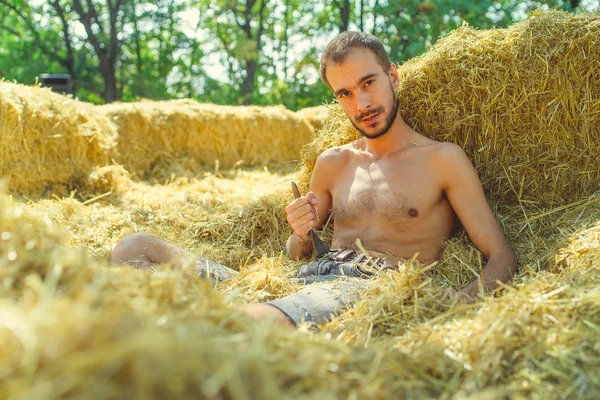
155	134
71	326
49	142
316	116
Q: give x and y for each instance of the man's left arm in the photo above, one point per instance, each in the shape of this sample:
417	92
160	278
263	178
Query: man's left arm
465	193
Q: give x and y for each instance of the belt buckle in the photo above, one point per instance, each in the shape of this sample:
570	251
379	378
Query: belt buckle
366	268
370	263
361	258
344	255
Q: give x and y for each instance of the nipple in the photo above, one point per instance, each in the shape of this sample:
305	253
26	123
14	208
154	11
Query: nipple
413	213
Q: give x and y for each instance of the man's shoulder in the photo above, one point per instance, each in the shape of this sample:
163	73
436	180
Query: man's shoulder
450	163
330	165
337	154
445	152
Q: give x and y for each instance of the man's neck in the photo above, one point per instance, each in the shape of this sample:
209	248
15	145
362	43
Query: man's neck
398	138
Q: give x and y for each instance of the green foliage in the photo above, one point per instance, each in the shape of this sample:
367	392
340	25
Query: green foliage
409	28
21	57
36	38
223	51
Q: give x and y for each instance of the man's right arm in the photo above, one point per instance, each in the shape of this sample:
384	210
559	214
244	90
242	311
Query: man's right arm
308	212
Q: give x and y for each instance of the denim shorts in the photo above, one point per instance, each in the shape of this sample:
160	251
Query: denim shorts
334	284
334	287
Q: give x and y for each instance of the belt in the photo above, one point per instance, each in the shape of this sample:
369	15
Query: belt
361	259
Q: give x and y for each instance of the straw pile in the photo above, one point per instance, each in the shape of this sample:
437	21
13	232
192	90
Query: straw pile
316	116
73	327
49	143
155	134
52	143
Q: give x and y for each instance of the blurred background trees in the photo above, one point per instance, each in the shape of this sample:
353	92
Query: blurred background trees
222	51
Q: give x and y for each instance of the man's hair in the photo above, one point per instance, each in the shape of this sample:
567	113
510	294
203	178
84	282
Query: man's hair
340	46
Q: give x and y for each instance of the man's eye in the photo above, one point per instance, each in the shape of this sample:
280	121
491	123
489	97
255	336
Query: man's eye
369	82
344	94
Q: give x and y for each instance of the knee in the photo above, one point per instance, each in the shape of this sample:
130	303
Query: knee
131	247
265	312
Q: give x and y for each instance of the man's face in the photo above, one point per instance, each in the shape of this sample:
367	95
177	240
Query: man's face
366	92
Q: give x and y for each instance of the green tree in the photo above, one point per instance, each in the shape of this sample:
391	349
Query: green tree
288	75
27	48
239	28
408	28
19	43
258	43
159	59
269	49
113	49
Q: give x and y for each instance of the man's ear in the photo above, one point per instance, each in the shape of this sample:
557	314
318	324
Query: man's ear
393	73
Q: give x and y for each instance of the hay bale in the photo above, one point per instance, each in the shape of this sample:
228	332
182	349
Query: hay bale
225	216
523	102
70	328
49	142
205	134
538	338
316	116
31	252
108	179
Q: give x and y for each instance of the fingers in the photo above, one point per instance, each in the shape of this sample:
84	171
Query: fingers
303	219
302	215
303	230
312	198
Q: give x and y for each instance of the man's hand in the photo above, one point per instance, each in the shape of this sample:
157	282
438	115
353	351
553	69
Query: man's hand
302	215
306	212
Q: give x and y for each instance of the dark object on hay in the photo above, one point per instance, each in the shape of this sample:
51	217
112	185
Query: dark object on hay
60	83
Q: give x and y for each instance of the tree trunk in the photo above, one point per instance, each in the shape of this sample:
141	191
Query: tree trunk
361	22
110	81
247	89
345	13
375	7
107	52
286	40
136	38
69	62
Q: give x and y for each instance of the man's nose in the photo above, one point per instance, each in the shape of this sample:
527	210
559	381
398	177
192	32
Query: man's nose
363	101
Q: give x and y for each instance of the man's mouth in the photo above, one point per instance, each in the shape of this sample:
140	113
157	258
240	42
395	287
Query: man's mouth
371	119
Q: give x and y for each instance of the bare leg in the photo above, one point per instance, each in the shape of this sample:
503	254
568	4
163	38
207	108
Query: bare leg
266	312
143	250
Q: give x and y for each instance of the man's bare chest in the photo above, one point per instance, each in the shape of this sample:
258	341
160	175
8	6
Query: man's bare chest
394	192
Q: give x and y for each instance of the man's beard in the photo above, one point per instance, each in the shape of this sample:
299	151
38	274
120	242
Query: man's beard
388	121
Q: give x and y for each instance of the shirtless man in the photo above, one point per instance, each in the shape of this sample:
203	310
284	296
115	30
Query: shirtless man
394	189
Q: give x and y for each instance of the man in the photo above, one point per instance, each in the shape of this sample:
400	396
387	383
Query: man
395	190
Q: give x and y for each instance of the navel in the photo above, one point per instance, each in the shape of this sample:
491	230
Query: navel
413	213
